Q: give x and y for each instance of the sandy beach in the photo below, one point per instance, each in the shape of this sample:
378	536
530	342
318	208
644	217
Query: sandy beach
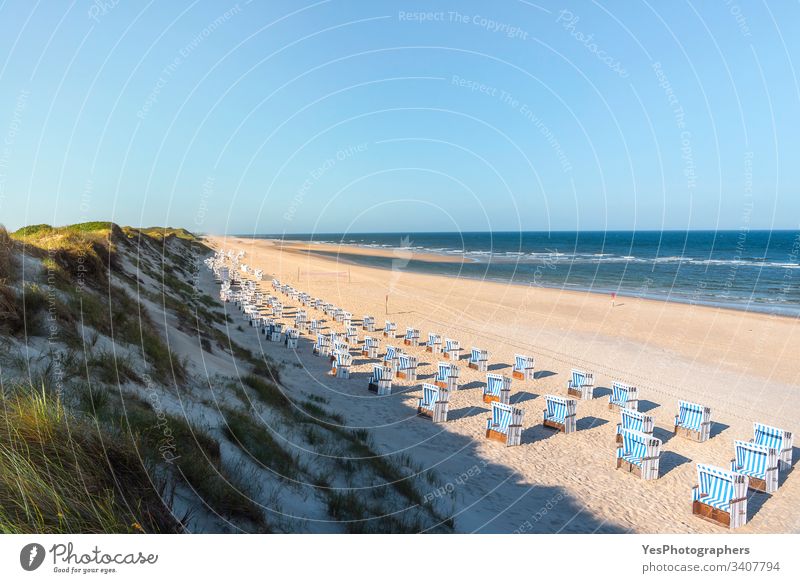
740	364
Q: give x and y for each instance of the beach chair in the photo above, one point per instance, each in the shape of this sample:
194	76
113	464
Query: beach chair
759	463
505	424
523	367
381	380
560	413
275	332
635	421
368	323
370	348
340	365
693	421
498	388
277	310
581	384
322	347
447	376
347	318
434	345
412	337
352	335
623	396
639	454
291	338
407	367
434	403
720	496
389	329
391	358
314	327
301	320
780	439
479	359
452	349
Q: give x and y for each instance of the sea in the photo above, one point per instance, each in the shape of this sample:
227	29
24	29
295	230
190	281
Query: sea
745	270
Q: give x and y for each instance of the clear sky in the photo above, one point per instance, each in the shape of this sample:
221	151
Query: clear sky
330	116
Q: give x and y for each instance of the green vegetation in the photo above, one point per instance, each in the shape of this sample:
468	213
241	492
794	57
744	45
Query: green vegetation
61	474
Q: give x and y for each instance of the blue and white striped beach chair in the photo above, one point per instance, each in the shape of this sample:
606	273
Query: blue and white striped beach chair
381	380
505	424
370	348
407	367
693	421
275	332
368	323
351	334
478	359
412	337
636	421
434	345
389	329
523	367
581	384
452	349
391	358
780	439
560	413
291	338
434	403
757	462
340	365
322	347
623	396
720	496
498	388
447	376
639	454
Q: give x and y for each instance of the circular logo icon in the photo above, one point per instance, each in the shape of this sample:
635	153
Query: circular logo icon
31	556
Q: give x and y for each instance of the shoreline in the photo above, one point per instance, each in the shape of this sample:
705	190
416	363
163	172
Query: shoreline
333	252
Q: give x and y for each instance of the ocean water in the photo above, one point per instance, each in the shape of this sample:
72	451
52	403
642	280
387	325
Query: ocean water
747	270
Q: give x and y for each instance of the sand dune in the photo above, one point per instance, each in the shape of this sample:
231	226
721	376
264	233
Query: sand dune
741	365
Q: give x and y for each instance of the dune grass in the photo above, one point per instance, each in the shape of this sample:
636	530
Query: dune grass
59	473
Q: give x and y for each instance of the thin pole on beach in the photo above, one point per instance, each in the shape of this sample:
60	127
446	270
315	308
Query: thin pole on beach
386	305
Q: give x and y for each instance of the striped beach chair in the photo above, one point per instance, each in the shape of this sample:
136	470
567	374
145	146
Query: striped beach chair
352	335
581	384
292	336
693	421
407	367
560	413
322	347
381	380
523	367
447	376
314	327
505	424
301	320
370	348
340	365
780	439
347	318
412	337
368	323
623	396
479	359
389	329
498	388
434	345
391	358
452	349
635	421
720	496
639	454
435	403
275	332
759	463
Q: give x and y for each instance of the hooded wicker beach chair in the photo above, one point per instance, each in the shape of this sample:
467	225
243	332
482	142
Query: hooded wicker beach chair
381	380
407	367
720	496
340	365
780	439
412	337
636	421
759	463
389	329
693	421
623	396
581	384
434	403
447	376
391	358
523	367
505	424
479	359
368	323
498	388
639	454
560	413
434	344
370	348
452	349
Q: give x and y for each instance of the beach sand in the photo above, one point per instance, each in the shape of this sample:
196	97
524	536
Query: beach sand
742	365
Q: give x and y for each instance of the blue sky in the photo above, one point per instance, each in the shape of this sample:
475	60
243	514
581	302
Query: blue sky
400	116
